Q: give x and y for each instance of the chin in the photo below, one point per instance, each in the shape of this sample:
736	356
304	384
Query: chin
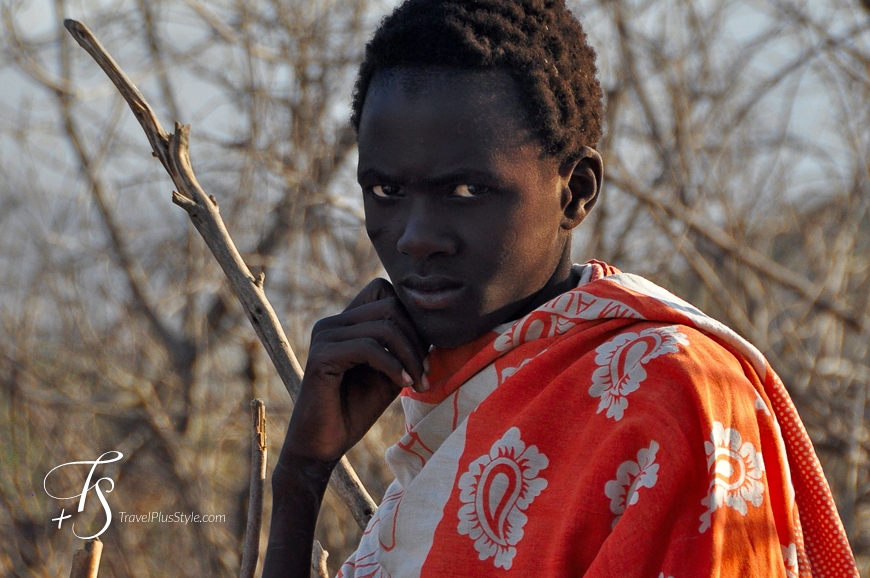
448	335
457	328
450	341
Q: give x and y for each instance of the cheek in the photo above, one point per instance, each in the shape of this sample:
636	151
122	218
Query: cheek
510	248
507	250
533	247
527	256
530	233
380	238
374	232
378	228
542	226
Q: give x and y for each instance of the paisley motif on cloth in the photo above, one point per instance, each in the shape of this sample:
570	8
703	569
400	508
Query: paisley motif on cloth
614	431
497	488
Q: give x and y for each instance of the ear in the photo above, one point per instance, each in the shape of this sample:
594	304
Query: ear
584	175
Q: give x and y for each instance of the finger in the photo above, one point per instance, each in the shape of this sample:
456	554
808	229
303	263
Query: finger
376	290
337	358
368	392
378	300
389	335
388	308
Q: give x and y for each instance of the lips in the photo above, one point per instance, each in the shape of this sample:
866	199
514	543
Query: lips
432	292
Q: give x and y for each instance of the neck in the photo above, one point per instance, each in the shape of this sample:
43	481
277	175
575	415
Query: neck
563	279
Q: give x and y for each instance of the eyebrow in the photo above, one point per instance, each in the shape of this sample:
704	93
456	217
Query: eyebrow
459	176
372	175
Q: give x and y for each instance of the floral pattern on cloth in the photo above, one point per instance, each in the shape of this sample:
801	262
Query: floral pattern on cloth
621	365
736	473
789	555
614	431
496	490
631	476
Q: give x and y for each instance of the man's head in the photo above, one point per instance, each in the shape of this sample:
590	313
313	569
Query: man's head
469	201
538	43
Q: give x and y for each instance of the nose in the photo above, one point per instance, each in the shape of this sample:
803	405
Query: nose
426	230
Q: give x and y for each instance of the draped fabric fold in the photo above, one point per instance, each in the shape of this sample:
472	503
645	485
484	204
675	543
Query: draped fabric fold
614	431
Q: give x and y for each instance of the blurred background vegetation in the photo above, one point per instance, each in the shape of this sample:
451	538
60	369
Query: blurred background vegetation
736	153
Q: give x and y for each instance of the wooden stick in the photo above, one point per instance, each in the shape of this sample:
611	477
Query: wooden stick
86	562
251	551
318	561
172	151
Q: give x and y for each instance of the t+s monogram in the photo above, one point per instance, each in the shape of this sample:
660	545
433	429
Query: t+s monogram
87	488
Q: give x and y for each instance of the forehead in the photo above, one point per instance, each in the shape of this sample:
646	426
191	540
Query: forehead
417	113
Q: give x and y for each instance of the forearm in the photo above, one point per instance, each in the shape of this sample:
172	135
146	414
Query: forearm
298	485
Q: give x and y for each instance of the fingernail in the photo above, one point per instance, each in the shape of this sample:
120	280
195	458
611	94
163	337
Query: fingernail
407	378
427	367
424	383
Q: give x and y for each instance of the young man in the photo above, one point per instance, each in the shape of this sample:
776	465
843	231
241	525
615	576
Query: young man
561	420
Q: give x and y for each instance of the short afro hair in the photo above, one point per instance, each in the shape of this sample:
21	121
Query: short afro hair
538	42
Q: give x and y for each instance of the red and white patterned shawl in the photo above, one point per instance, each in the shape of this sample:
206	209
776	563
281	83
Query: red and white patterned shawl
616	431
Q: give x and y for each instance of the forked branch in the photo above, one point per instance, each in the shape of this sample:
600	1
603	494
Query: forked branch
172	151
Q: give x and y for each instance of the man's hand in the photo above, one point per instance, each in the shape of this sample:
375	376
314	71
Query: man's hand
358	363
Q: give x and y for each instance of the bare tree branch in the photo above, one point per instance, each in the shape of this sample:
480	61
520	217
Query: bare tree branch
172	151
136	280
766	267
251	551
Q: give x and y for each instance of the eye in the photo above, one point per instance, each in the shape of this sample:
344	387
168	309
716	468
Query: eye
386	191
468	191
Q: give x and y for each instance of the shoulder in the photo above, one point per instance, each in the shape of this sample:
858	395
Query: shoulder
680	360
667	377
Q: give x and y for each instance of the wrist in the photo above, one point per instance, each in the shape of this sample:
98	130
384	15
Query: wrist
299	473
